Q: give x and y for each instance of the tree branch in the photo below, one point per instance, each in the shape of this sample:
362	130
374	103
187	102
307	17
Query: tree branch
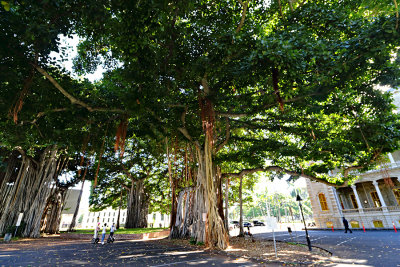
185	133
280	8
280	169
58	86
227	136
43	113
244	5
397	14
71	98
204	83
231	115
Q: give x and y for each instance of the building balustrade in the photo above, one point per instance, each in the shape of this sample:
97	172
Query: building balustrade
393	208
376	209
350	211
391	165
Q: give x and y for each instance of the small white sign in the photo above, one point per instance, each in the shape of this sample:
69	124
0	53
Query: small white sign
204	217
271	222
19	219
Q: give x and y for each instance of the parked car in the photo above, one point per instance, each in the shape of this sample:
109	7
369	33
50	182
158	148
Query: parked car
235	224
311	224
247	224
258	223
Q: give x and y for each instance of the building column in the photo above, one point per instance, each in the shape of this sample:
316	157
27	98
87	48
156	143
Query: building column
391	158
337	201
360	207
378	191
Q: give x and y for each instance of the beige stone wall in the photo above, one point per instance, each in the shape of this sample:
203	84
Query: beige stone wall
320	216
368	213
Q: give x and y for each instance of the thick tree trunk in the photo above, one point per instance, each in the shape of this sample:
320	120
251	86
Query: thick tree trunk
52	214
226	204
119	210
78	203
138	206
28	191
215	232
197	210
220	202
241	232
184	217
173	192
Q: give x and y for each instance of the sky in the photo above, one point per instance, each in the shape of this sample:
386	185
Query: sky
278	185
71	45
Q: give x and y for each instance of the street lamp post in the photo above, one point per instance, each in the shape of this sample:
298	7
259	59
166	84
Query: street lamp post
298	198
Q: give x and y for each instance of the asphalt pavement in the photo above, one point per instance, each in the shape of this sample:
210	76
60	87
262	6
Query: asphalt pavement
372	248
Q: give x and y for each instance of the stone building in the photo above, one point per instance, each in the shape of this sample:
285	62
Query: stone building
109	216
373	201
69	209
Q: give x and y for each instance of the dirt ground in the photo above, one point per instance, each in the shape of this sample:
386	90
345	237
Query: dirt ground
29	243
264	252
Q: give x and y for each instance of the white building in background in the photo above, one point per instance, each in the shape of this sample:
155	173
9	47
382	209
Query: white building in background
89	219
158	220
69	209
110	216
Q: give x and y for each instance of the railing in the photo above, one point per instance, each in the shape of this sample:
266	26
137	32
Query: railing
372	209
393	208
386	166
350	211
375	209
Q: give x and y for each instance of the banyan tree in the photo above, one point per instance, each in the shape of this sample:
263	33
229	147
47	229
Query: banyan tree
279	86
26	187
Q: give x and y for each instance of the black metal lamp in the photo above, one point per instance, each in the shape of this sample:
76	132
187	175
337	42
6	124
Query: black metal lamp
298	198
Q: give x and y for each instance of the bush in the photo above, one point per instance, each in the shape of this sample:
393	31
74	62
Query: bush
192	241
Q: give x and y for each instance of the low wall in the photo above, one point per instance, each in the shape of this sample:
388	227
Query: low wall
144	236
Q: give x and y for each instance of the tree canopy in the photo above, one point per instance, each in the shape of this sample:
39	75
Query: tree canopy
278	86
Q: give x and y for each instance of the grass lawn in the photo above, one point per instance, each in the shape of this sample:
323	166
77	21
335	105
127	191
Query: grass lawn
121	231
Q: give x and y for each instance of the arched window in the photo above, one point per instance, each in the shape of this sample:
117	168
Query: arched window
354	201
378	224
355	224
375	199
322	201
397	195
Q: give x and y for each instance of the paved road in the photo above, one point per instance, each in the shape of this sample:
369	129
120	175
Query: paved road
372	248
125	253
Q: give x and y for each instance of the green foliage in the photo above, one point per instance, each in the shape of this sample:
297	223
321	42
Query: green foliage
141	160
295	86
